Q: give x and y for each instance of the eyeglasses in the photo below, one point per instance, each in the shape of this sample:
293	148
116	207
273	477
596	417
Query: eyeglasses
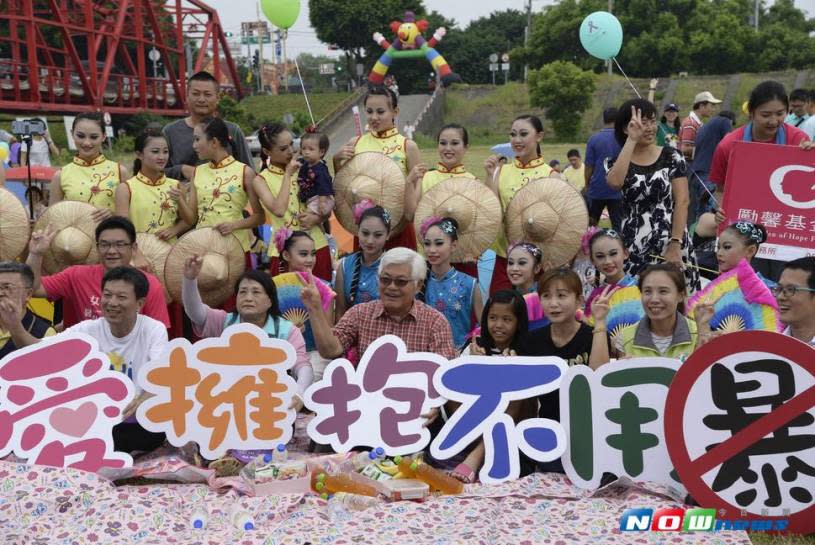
9	288
788	291
398	282
119	245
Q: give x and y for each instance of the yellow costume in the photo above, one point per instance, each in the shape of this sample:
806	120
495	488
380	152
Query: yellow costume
434	177
91	182
513	177
389	142
222	196
151	207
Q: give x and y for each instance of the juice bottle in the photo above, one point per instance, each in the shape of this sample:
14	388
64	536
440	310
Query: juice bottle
412	469
325	484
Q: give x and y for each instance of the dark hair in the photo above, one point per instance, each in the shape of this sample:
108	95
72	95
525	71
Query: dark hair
647	111
561	274
319	137
266	283
677	123
151	131
117	222
379	213
22	269
536	123
573	153
89	116
267	135
382	91
609	115
204	76
811	95
215	127
806	264
132	276
505	297
673	273
607	233
752	234
287	247
799	94
767	91
449	227
465	137
729	115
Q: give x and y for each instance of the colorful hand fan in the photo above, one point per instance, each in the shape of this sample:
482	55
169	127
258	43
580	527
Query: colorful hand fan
741	301
534	312
625	309
289	285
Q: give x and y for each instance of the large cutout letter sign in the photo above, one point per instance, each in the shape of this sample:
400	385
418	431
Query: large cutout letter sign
59	401
230	392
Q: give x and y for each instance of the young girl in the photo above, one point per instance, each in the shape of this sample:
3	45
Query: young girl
608	256
561	294
358	274
90	177
451	292
278	190
296	249
524	266
739	241
381	109
224	185
664	331
506	180
154	203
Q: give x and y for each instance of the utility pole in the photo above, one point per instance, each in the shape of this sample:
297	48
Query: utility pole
527	32
261	32
758	3
608	62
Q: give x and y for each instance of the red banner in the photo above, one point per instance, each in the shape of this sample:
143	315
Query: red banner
775	186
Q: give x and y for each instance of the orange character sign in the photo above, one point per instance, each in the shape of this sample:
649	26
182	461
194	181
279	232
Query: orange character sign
229	392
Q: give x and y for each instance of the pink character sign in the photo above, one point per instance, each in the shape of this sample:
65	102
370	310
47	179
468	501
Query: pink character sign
59	401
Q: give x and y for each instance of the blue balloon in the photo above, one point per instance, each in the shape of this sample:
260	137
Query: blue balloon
601	34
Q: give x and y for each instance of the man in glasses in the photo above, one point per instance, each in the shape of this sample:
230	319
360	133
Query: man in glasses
422	328
18	325
79	286
795	294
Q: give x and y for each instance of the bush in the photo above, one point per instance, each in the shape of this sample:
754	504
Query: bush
565	91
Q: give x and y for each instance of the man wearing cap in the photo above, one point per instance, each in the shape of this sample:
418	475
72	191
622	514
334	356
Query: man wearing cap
18	325
704	106
397	312
79	286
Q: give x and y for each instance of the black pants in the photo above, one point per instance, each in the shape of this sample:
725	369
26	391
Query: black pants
615	211
130	437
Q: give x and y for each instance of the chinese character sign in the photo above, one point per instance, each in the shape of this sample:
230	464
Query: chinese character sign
740	426
773	185
229	392
613	419
485	387
59	401
378	404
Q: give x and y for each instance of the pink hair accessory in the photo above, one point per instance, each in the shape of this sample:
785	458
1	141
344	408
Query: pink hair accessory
280	238
361	207
427	223
584	240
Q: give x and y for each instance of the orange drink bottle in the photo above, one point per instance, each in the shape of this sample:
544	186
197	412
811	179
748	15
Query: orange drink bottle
325	484
436	479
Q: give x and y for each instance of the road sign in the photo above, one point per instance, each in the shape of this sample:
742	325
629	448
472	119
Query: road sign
505	57
494	58
253	40
505	66
493	67
154	55
720	457
327	68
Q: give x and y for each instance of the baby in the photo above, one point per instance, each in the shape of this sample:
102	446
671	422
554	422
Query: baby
316	185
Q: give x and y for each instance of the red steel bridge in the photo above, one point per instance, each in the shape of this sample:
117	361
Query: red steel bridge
118	56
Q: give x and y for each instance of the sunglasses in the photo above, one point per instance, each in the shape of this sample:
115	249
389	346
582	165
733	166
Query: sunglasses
398	282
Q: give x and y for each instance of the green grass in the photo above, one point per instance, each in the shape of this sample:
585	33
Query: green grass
265	107
766	539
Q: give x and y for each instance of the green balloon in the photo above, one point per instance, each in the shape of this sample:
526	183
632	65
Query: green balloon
281	13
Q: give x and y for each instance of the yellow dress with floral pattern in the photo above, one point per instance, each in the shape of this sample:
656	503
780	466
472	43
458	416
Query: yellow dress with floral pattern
92	182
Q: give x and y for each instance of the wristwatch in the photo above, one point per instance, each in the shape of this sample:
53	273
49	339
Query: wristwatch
674	239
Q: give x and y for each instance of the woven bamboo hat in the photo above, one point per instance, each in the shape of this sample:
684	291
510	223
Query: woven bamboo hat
373	176
14	226
75	241
155	251
550	213
475	208
224	263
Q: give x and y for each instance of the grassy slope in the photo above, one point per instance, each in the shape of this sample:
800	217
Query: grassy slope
273	107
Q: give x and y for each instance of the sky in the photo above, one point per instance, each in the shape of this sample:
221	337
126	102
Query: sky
303	39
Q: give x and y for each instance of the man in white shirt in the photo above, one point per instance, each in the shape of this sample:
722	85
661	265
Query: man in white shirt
130	340
795	294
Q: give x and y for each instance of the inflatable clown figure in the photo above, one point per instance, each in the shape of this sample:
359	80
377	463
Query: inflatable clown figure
409	43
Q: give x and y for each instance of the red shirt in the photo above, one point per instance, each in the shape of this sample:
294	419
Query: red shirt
424	329
80	288
687	132
718	166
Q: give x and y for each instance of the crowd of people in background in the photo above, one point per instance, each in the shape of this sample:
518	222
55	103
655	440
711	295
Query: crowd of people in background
659	177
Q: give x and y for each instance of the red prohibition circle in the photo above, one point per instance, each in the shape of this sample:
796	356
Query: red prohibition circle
689	471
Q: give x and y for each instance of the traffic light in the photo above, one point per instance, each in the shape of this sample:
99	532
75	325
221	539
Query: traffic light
228	34
256	60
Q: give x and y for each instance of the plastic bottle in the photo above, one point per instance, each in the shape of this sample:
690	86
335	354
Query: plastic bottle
437	480
362	459
355	502
199	519
241	519
325	484
279	454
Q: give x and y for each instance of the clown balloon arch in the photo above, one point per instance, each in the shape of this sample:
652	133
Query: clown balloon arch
409	43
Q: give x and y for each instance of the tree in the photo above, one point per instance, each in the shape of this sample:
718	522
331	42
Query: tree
565	91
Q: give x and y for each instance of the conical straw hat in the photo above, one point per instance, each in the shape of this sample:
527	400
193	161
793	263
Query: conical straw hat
224	263
155	251
473	205
550	213
374	176
14	226
75	241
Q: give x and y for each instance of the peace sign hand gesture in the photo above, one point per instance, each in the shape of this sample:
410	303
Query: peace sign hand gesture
600	307
636	129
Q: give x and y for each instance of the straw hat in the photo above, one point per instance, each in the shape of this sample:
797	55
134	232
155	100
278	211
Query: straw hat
14	228
473	205
550	213
155	252
75	241
223	264
369	175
